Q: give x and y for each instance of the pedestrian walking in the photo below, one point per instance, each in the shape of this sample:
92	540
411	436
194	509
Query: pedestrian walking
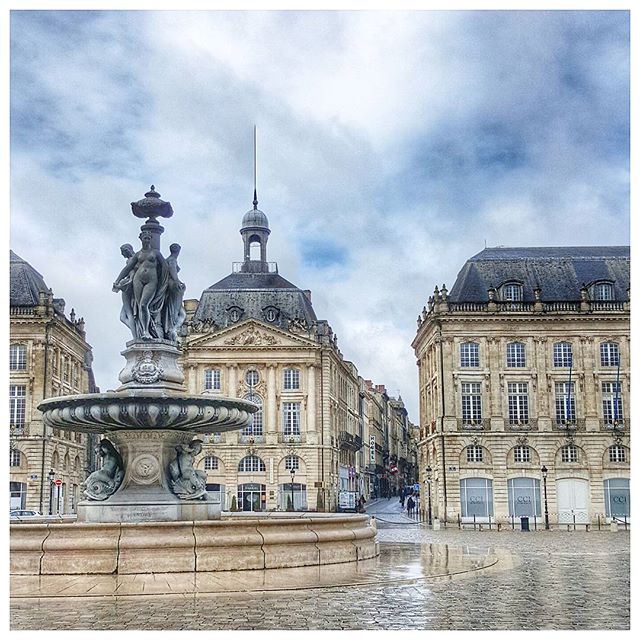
410	505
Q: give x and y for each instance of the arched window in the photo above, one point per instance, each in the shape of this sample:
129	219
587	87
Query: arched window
522	453
235	313
562	354
211	463
76	464
251	463
17	357
270	314
569	453
617	453
65	461
609	354
474	453
292	463
516	354
255	428
469	354
55	460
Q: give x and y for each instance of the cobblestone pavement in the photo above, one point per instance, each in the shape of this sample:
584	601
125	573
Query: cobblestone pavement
541	580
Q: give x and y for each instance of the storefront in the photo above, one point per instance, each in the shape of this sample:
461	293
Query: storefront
252	497
617	498
476	499
524	497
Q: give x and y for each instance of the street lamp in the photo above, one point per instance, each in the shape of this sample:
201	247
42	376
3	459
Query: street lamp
544	471
51	475
428	472
293	475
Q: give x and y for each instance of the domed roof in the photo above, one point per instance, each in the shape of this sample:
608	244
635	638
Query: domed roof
255	218
25	282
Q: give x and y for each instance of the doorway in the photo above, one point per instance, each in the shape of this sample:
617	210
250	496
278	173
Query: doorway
573	500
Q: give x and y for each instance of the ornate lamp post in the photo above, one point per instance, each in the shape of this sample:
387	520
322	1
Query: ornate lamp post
51	475
293	475
544	471
428	472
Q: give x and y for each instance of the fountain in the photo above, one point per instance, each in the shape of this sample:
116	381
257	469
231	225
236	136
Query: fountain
147	509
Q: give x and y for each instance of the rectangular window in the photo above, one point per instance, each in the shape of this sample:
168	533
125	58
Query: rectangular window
611	402
212	380
291	378
565	402
469	354
518	396
291	418
17	405
516	355
609	354
15	458
471	403
17	357
562	354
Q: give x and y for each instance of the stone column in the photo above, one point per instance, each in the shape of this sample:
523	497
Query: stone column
233	381
311	398
272	426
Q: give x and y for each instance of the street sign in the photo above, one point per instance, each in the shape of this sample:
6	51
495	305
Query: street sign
57	482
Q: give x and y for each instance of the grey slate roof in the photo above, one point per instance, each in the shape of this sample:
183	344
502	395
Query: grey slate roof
24	282
559	271
253	293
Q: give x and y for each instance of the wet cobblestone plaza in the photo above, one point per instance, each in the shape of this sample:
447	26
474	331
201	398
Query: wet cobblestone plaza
423	579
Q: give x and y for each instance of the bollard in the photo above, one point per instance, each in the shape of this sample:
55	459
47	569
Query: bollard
474	521
574	521
598	522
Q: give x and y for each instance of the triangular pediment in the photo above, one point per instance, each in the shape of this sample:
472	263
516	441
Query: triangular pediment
250	334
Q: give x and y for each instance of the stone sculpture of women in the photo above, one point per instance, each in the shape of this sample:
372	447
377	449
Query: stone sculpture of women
105	481
186	482
149	279
125	285
173	314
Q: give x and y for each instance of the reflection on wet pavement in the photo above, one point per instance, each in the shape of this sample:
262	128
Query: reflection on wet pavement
396	563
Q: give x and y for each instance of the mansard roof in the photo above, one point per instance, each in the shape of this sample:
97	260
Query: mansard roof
559	272
25	282
253	294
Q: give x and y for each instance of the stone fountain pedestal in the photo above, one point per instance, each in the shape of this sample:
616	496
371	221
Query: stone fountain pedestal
145	494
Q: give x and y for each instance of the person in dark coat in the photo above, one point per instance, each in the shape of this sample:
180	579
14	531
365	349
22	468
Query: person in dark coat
410	505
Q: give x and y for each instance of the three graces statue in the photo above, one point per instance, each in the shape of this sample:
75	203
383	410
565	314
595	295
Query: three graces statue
151	291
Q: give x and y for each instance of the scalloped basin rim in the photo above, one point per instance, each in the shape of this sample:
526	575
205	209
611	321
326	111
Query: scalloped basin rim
155	395
154	409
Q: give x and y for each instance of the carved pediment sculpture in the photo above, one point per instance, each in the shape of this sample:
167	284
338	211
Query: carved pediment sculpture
251	337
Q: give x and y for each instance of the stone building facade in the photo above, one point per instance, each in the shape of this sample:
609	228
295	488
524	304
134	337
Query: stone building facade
48	356
255	335
524	379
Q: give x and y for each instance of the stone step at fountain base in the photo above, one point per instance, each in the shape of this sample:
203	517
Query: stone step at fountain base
236	542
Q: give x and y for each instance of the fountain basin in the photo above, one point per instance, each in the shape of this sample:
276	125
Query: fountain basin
237	541
152	408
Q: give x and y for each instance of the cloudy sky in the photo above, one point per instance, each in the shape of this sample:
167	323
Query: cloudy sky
392	146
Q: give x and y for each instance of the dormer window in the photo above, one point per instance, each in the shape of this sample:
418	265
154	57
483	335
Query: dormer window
235	313
602	291
271	314
511	292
